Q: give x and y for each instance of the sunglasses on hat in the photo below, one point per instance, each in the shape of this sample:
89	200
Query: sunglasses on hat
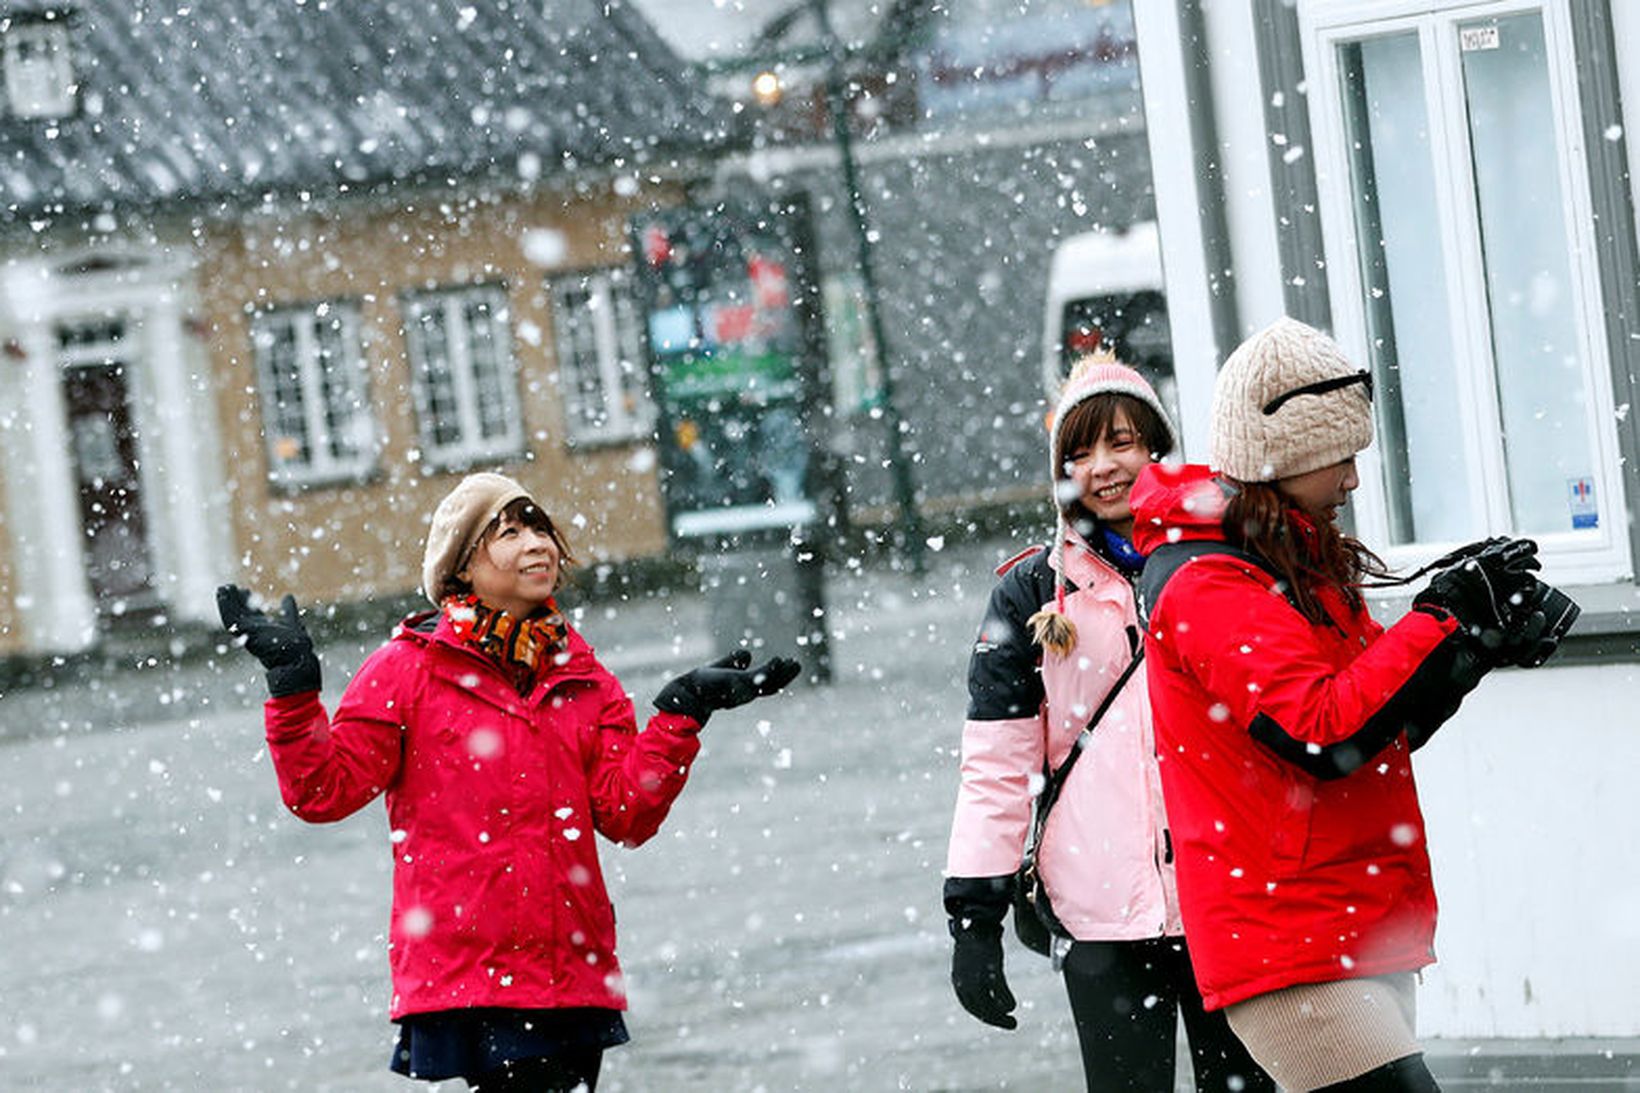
1320	387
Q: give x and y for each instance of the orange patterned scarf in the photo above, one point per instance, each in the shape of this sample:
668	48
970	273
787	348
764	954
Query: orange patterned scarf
521	648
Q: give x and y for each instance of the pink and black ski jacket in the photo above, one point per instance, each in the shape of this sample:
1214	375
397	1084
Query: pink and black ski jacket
1105	859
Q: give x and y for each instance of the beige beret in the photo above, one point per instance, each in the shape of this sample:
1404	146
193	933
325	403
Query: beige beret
458	522
1266	426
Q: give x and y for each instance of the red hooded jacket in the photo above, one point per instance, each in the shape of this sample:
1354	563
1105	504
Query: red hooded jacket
493	800
1285	753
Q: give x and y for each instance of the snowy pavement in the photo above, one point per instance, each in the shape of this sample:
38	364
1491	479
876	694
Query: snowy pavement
166	925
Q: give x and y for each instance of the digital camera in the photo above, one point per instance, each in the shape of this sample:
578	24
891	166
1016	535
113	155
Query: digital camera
1559	611
1535	615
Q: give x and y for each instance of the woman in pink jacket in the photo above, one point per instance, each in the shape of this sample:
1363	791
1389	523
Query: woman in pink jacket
502	746
1060	631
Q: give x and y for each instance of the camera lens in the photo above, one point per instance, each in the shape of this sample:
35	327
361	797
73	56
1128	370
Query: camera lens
1559	610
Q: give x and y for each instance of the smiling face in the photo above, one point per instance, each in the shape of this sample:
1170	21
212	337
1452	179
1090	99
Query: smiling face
516	564
1320	493
1102	471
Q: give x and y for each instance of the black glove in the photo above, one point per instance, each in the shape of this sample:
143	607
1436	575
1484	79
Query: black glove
1528	643
1486	592
281	644
976	972
725	684
1509	565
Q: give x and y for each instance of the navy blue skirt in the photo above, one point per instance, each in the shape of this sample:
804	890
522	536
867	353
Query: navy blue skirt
469	1042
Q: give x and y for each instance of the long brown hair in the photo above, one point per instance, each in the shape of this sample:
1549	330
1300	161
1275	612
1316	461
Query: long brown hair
1259	519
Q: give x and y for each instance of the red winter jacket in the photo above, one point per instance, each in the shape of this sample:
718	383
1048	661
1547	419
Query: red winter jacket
492	800
1286	762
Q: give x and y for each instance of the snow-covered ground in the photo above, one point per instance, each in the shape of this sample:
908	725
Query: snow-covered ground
166	925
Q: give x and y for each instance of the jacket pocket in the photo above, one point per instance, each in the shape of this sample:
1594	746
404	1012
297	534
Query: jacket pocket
1292	829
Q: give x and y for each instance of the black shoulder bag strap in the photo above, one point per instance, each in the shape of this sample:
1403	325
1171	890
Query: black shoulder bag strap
1034	921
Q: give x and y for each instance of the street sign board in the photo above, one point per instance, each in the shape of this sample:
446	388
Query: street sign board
731	314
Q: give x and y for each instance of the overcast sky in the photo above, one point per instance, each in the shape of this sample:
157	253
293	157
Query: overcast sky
703	28
707	28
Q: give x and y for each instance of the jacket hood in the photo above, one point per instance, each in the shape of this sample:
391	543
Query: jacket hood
1177	502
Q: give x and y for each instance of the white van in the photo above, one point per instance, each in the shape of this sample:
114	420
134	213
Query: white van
1105	289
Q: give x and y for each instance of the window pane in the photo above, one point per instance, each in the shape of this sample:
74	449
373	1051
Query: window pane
443	425
635	403
347	424
483	329
582	383
601	358
282	386
1427	479
1543	382
316	412
39	76
461	352
589	375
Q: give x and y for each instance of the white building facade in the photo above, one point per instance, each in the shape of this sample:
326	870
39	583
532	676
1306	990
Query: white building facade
107	375
1449	188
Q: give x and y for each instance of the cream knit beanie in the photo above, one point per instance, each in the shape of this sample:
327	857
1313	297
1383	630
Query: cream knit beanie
1286	402
458	522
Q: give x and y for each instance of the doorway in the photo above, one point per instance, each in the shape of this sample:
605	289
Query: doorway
103	443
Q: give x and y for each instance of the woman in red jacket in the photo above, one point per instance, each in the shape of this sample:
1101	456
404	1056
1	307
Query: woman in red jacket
1058	641
502	746
1286	717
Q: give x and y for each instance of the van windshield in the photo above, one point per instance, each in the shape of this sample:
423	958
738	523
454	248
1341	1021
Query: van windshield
1133	325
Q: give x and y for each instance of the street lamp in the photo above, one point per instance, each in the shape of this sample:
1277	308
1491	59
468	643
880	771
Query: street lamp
766	87
837	106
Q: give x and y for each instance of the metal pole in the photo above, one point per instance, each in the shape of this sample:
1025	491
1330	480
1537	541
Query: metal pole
905	494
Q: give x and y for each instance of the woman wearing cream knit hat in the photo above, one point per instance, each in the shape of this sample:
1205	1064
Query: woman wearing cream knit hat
1057	644
501	745
1286	718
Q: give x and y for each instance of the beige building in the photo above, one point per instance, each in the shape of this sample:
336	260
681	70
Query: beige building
264	304
461	337
259	343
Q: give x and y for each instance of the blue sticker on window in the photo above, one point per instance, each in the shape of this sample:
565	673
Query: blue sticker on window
1580	495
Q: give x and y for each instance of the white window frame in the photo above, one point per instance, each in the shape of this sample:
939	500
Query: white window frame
323	466
1584	556
41	85
470	446
609	313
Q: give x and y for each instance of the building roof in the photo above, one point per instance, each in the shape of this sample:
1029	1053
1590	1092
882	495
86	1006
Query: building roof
225	100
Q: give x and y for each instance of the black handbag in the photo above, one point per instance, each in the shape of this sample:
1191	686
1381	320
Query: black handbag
1035	924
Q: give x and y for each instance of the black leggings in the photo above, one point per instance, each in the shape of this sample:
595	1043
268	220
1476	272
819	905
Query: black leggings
563	1073
1408	1075
1126	997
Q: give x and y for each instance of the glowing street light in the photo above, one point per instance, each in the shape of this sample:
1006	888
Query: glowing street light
766	88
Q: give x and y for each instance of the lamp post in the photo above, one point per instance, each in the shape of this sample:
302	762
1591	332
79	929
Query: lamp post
766	86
